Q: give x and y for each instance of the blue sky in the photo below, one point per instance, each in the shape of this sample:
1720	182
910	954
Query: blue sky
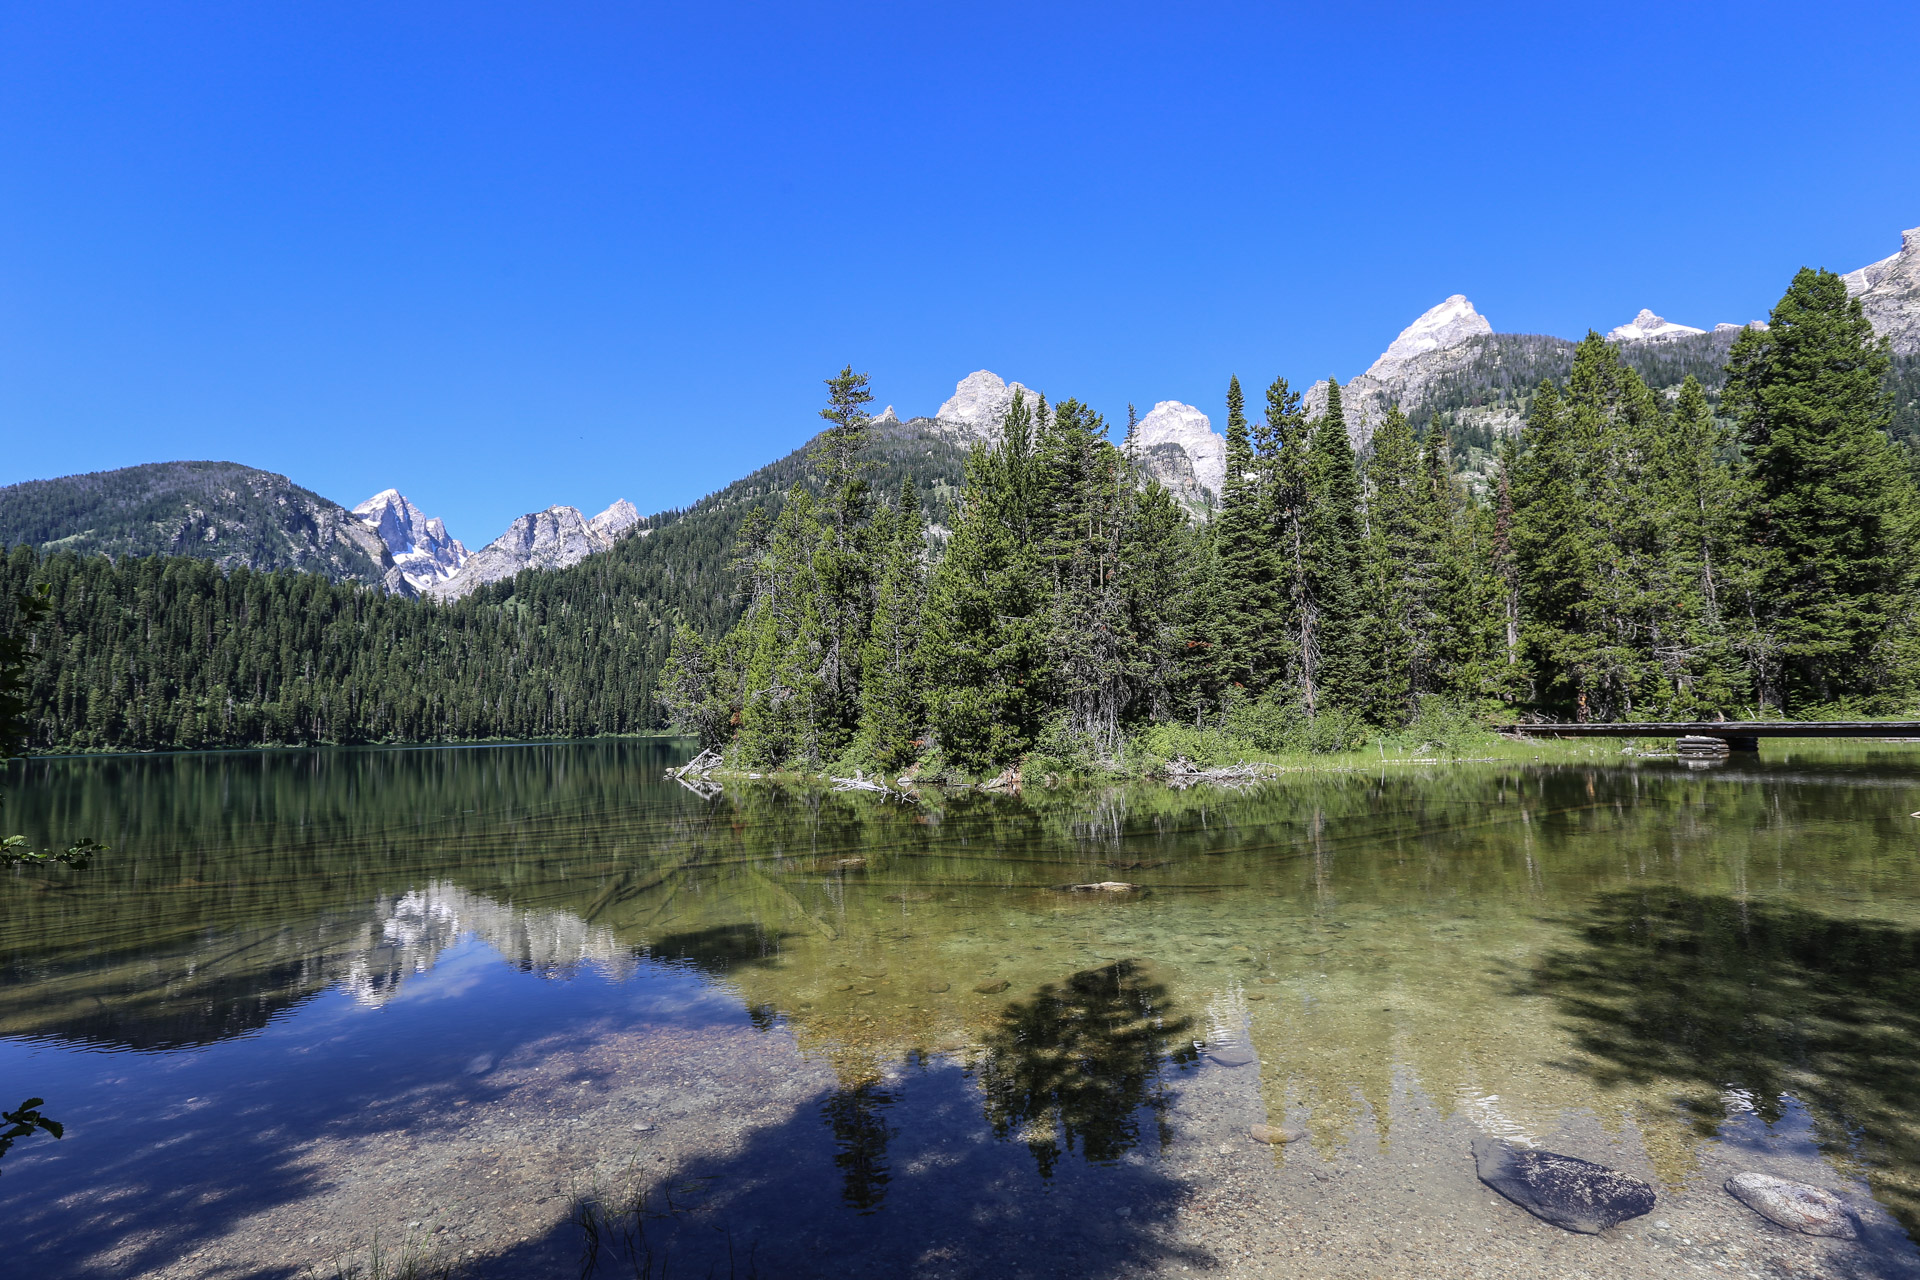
501	256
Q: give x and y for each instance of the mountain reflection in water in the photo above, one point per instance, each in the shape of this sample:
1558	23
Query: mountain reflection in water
1670	952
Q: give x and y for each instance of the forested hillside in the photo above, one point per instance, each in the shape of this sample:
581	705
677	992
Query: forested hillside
169	652
231	515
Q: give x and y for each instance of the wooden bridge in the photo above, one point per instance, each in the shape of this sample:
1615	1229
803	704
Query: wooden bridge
1709	738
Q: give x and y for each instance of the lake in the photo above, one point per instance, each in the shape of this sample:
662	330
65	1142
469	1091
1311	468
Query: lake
537	1011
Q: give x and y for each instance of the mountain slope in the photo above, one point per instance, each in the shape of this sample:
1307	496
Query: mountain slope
1889	292
232	515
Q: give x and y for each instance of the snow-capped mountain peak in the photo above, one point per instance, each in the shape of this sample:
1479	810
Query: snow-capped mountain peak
1446	325
1174	423
420	546
1648	327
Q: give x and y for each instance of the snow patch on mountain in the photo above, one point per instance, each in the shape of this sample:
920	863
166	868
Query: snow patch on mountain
1439	328
1648	327
1425	351
420	545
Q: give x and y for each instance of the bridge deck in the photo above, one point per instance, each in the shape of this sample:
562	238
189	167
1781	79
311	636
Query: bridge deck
1731	729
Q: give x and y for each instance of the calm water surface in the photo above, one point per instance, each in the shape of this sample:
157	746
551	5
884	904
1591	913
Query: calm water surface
446	994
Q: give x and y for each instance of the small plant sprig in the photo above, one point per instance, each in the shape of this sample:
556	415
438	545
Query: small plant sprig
24	1121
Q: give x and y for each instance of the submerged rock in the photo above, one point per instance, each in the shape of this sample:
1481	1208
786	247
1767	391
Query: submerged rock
993	988
1102	886
1275	1135
1795	1205
1232	1055
1568	1192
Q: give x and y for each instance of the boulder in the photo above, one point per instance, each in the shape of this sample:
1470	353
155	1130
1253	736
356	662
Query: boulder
1568	1192
1795	1205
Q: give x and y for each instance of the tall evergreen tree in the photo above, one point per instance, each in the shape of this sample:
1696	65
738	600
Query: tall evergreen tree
1401	569
842	569
981	646
1699	571
1281	461
1246	626
891	683
1833	506
1334	660
783	714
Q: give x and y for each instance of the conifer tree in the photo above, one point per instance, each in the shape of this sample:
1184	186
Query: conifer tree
1281	462
981	647
1400	569
891	684
1833	506
842	570
1245	624
1334	660
1700	570
1504	570
783	642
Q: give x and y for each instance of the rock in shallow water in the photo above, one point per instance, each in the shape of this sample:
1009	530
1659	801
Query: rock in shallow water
1576	1194
1274	1135
1793	1204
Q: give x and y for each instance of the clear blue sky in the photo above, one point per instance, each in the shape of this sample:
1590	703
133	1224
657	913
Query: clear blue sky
507	255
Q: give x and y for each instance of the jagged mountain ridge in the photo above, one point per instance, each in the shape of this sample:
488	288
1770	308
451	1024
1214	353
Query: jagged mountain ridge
1450	360
234	515
555	538
419	545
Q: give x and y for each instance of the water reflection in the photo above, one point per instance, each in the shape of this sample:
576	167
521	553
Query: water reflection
1753	1006
1079	1061
1643	945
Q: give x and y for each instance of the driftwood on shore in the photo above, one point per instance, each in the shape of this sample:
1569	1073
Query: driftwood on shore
693	774
878	786
1182	773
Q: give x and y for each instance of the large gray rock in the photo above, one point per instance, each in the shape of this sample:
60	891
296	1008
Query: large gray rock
1568	1192
1889	292
1795	1205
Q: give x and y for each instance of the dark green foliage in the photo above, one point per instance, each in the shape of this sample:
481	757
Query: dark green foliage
1246	624
1831	521
1334	665
892	700
982	642
220	511
24	1121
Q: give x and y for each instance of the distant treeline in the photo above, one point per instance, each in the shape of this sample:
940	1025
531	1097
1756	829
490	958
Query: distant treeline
172	653
1638	556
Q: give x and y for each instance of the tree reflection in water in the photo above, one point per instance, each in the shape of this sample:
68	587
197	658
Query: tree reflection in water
1718	994
858	1119
1081	1061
